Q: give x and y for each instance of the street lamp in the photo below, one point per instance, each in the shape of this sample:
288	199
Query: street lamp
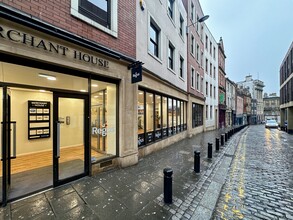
202	19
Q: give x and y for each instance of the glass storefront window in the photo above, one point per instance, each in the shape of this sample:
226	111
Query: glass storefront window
103	119
174	116
170	116
158	117
178	116
13	73
164	116
149	116
140	118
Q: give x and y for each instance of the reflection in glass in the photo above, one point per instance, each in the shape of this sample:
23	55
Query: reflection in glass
178	113
158	118
174	115
165	111
149	112
103	120
140	112
170	116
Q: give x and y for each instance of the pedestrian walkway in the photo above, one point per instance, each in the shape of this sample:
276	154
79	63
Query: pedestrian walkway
137	192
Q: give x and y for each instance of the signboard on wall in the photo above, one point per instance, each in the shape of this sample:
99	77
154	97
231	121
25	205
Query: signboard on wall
38	119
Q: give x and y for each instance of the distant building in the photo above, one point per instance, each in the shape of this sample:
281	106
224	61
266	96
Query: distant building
239	109
222	84
272	106
255	88
286	90
231	102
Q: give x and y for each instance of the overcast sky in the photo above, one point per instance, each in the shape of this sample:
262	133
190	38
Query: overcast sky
256	34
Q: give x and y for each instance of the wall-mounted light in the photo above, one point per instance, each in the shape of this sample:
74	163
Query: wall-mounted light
142	4
49	77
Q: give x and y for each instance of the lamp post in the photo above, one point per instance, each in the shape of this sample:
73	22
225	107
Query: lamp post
202	19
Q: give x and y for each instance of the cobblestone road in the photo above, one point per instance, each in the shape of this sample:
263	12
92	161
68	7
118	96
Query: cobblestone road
260	180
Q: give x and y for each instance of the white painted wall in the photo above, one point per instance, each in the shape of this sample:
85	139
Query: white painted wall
158	11
210	101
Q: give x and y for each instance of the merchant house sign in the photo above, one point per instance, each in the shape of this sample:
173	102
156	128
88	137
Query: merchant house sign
54	48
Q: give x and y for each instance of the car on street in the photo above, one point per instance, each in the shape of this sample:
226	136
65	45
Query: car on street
271	123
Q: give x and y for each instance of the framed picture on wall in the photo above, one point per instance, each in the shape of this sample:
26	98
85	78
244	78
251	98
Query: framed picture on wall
38	119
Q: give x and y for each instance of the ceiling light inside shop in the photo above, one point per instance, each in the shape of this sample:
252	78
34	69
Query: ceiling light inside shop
41	90
49	77
96	96
94	85
82	90
140	93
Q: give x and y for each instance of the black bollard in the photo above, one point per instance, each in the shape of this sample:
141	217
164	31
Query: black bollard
168	172
217	144
210	150
196	161
226	137
222	139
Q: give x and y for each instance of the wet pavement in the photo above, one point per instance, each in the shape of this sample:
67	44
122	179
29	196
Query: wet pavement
260	180
137	192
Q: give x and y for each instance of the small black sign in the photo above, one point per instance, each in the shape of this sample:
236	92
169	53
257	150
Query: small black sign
164	132
136	73
150	137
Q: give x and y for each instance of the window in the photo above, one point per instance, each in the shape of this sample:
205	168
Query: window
171	8
192	77
206	69
197	52
192	44
181	67
171	56
214	72
207	88
197	24
211	69
211	48
214	53
207	112
181	25
201	85
201	58
197	81
211	112
211	90
158	116
197	115
99	13
154	40
207	39
214	92
192	12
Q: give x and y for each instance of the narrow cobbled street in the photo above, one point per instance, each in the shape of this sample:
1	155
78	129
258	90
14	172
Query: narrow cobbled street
260	180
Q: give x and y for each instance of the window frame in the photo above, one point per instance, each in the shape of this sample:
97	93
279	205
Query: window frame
155	42
113	17
171	56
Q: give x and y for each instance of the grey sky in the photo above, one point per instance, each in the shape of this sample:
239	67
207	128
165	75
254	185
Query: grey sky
256	34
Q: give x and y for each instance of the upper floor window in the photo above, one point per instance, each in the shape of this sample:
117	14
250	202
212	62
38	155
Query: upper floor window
192	12
171	8
181	67
197	81
206	69
197	23
197	52
171	56
211	69
154	39
207	39
192	44
181	25
192	78
99	13
214	53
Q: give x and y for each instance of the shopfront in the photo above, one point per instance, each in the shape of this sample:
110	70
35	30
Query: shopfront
59	111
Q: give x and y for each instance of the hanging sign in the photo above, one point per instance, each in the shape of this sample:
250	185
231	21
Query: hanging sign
136	74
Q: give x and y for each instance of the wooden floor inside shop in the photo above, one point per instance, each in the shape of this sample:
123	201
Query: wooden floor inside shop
43	159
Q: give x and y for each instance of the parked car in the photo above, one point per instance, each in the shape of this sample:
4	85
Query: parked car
271	124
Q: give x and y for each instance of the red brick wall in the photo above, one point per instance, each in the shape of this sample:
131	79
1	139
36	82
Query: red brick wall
57	13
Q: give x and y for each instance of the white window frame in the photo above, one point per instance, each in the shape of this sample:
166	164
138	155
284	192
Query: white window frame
114	17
